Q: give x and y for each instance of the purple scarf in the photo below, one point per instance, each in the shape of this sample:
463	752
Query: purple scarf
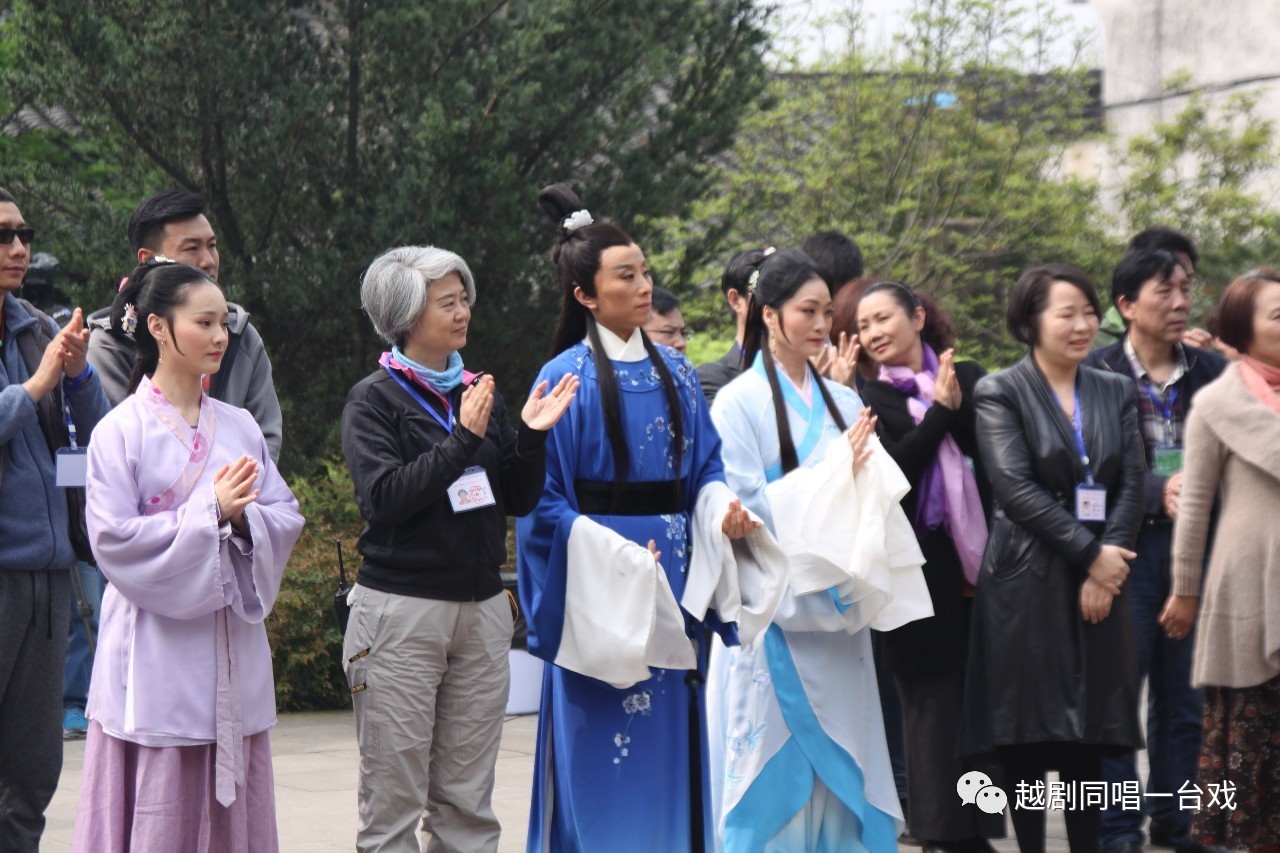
948	492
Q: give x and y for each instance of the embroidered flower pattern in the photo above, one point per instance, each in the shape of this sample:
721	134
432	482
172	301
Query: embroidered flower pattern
678	535
746	729
199	447
159	503
636	703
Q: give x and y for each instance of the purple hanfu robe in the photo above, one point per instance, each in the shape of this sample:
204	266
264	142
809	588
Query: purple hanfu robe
182	654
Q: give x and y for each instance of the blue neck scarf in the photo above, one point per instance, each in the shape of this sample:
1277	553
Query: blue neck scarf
442	382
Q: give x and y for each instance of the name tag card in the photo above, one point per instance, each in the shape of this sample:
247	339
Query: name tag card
1091	503
73	467
471	491
1168	460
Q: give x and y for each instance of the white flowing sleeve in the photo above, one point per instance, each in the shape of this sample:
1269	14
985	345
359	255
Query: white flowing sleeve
743	580
620	615
846	535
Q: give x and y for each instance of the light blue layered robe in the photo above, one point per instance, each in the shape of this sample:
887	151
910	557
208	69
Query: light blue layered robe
798	751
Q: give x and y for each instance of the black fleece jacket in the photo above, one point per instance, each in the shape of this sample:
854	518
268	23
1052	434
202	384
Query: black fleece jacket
402	462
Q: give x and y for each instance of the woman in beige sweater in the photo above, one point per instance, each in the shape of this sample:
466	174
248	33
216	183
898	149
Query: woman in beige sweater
1233	444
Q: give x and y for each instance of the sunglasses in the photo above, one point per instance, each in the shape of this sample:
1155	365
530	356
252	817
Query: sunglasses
26	235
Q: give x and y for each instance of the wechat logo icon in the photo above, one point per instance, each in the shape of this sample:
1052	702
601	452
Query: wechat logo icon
975	789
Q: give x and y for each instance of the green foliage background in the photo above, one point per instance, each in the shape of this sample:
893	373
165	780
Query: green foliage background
323	133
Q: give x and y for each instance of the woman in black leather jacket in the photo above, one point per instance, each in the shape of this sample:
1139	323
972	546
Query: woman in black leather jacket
1052	678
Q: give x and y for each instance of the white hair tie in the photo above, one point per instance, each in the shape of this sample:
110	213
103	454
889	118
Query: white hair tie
578	219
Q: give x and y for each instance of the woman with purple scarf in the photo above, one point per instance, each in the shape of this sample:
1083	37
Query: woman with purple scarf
924	401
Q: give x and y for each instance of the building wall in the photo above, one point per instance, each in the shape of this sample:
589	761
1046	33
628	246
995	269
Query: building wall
1227	46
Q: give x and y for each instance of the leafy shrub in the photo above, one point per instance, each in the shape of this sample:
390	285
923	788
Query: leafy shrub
306	646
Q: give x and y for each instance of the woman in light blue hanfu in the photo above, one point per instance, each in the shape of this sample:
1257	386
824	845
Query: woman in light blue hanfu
798	752
615	596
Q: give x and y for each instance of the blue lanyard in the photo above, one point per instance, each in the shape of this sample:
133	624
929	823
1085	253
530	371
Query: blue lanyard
447	423
66	414
1077	424
1166	411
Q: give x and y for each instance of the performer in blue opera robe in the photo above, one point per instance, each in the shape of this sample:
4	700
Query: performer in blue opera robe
797	745
614	597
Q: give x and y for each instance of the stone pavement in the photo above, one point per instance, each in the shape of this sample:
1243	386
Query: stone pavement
316	765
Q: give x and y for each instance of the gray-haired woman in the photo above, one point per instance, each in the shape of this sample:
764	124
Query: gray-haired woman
426	646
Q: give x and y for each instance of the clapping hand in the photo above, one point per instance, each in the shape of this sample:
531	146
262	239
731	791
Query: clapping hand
946	388
75	345
65	354
859	436
233	489
541	412
477	403
737	522
844	360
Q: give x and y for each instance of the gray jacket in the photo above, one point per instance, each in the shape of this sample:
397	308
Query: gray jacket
249	386
34	533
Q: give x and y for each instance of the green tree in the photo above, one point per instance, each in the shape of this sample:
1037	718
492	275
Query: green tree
1200	172
943	158
324	132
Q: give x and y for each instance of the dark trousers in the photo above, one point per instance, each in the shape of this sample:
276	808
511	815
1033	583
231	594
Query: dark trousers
33	645
891	711
1027	764
931	705
1174	707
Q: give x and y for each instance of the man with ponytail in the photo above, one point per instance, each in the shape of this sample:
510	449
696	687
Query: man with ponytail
635	549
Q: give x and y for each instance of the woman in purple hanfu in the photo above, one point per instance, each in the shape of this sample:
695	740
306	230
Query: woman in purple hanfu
192	525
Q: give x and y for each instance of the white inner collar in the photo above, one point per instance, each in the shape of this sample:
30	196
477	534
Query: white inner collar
616	349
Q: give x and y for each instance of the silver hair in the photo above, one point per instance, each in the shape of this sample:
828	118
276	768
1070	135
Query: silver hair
393	290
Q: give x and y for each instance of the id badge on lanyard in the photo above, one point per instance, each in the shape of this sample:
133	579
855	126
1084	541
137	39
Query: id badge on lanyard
1091	498
1167	456
71	469
471	490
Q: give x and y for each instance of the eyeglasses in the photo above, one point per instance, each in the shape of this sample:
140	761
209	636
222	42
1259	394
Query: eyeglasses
672	332
26	235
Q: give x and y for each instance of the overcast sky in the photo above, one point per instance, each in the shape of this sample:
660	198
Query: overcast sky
800	23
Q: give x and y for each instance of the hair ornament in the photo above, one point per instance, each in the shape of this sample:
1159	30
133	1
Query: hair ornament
752	281
157	260
129	319
769	250
577	219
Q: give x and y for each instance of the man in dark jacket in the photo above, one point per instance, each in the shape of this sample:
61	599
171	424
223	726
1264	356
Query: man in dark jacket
1152	292
43	374
173	224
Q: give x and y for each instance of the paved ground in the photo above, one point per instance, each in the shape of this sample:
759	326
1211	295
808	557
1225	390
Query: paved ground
315	765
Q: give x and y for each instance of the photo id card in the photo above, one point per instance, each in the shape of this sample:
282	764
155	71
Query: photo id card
73	467
471	491
1091	503
1168	460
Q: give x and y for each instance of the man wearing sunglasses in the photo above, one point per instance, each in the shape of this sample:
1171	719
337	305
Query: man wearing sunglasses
173	224
46	386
